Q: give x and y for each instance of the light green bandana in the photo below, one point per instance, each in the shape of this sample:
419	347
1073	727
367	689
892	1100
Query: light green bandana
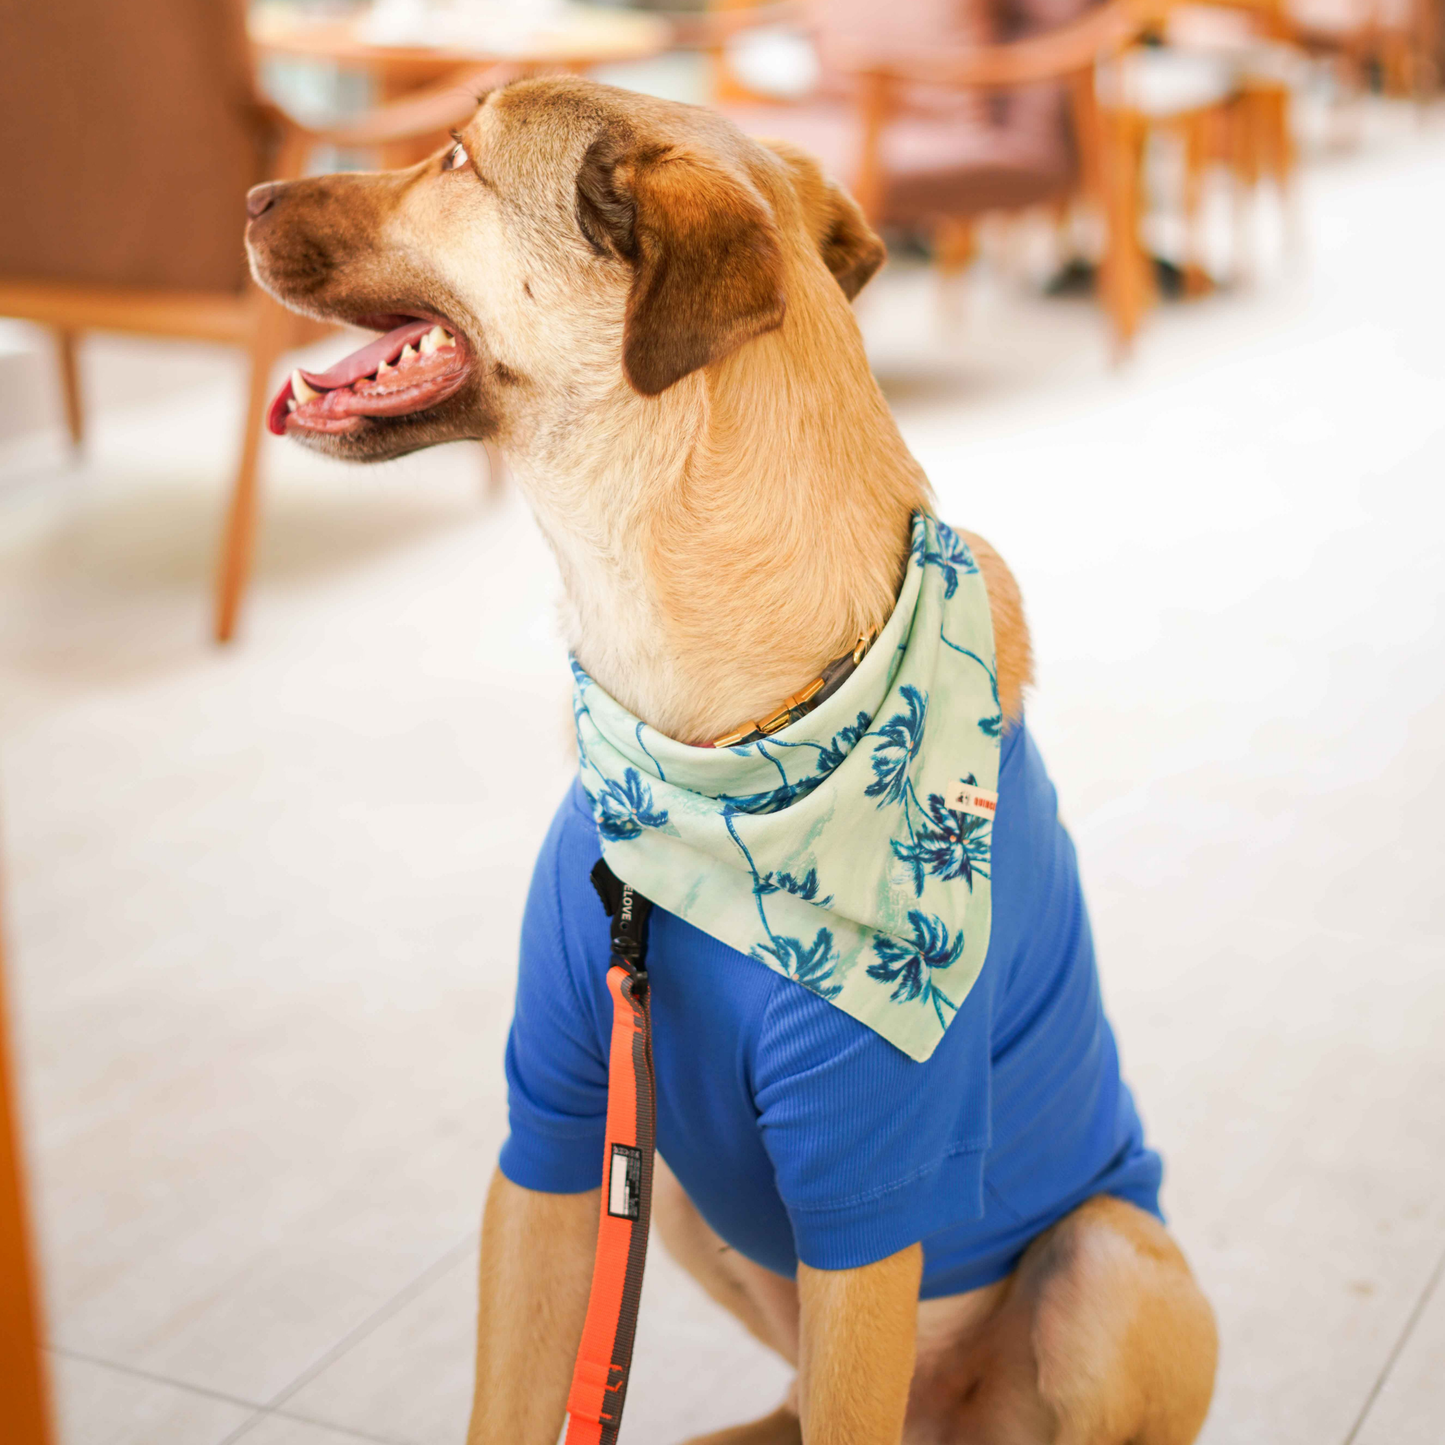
849	851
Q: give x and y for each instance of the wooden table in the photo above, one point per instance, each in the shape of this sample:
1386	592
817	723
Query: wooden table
579	38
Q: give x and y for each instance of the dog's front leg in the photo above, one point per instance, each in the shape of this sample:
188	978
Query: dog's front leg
856	1349
536	1274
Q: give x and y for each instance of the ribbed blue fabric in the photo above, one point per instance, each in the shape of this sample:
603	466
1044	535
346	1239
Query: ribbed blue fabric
801	1134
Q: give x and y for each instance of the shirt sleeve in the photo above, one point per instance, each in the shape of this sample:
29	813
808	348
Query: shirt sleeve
556	1061
873	1151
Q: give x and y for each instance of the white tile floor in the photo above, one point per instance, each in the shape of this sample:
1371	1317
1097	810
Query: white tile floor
264	903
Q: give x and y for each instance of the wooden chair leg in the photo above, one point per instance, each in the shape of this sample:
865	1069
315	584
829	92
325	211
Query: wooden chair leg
66	342
1125	287
1272	153
955	248
1244	154
1061	231
955	244
268	341
24	1410
1347	112
1196	161
869	182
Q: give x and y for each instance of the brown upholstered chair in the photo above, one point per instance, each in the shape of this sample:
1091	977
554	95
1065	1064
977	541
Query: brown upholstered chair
936	112
131	135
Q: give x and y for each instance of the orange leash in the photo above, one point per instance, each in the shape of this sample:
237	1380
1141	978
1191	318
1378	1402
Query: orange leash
604	1358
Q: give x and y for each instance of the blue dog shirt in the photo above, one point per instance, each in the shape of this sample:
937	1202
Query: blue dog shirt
799	1132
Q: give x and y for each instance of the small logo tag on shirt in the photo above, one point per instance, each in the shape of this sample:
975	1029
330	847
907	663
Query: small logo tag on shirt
624	1182
970	798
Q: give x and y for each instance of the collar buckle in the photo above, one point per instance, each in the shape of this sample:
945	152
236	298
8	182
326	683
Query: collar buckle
796	706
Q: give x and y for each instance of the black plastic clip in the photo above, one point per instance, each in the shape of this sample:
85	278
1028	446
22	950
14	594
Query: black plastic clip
629	912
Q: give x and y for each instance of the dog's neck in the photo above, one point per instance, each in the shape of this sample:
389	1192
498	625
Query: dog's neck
721	543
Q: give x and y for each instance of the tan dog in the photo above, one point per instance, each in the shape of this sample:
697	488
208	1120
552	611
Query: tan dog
649	314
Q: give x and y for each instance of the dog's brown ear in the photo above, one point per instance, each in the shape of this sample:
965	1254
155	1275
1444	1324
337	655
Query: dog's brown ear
707	265
850	247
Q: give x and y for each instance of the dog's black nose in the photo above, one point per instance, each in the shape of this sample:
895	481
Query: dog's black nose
260	198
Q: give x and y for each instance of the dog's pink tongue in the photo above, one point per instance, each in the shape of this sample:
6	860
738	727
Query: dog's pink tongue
364	362
349	369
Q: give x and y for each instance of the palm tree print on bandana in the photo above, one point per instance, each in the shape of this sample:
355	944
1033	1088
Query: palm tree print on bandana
849	852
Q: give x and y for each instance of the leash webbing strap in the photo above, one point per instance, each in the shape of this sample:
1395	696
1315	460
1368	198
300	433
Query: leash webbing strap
604	1357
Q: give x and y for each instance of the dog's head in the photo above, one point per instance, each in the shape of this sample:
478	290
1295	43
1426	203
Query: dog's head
573	240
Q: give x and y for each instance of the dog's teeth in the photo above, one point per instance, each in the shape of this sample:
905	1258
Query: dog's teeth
382	369
408	353
300	390
291	403
433	340
447	339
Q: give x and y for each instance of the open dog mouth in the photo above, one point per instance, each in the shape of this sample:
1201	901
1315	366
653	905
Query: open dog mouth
412	367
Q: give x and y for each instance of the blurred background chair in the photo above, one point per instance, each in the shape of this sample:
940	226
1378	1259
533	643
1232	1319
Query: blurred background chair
939	113
133	133
1390	46
1212	78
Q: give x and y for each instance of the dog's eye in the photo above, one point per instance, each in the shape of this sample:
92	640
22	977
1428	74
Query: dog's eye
456	158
